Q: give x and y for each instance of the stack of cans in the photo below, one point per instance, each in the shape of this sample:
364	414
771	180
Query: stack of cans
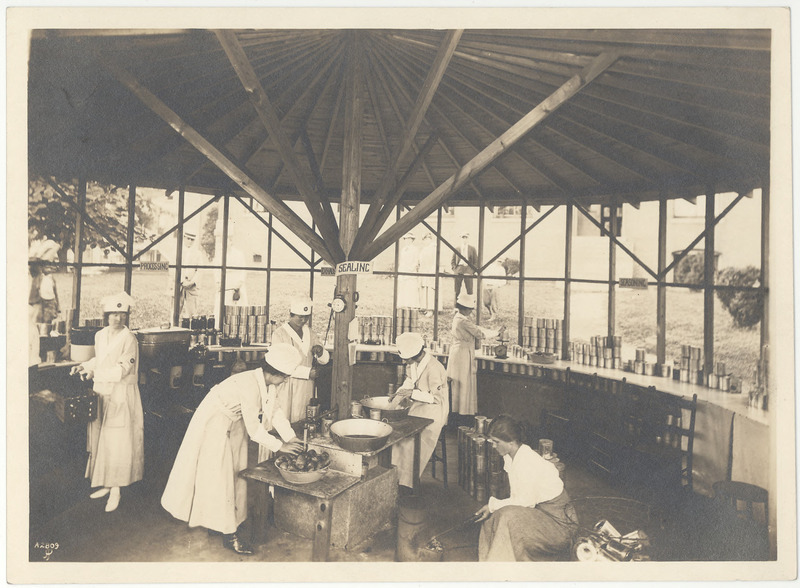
94	322
250	323
605	352
691	364
480	467
544	335
375	330
407	320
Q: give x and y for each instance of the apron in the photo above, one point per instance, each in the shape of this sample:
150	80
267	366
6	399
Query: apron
403	452
295	393
461	368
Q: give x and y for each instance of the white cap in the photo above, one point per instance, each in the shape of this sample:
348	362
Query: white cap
121	302
46	250
301	305
465	234
465	299
409	236
283	357
189	235
409	344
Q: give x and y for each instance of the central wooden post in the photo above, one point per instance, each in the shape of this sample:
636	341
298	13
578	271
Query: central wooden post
348	225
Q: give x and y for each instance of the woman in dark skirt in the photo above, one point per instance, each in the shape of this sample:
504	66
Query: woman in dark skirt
536	523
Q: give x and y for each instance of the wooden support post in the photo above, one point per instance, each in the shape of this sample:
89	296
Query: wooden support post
612	274
77	276
436	279
129	242
394	283
765	280
348	224
269	264
176	299
224	269
661	288
523	219
478	280
567	280
708	286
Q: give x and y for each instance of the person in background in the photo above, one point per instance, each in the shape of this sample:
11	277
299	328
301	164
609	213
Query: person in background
490	287
298	390
204	488
34	311
115	439
427	265
426	387
536	522
190	292
408	286
463	265
461	368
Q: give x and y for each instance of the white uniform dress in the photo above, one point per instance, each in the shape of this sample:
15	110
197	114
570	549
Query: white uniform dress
296	392
461	366
115	439
428	379
204	487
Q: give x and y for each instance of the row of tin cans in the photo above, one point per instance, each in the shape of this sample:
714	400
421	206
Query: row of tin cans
407	319
480	468
375	330
250	329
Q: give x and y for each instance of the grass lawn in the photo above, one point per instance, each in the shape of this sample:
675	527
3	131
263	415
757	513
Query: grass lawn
635	309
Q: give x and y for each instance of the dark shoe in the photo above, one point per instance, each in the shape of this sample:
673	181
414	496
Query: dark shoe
234	543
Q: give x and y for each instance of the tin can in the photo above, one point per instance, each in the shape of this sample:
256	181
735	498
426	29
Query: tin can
724	383
325	429
312	410
375	414
480	424
355	409
546	448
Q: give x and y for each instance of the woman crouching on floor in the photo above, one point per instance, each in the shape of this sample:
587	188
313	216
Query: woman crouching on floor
536	523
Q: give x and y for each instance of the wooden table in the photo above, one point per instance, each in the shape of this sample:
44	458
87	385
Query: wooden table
401	429
325	490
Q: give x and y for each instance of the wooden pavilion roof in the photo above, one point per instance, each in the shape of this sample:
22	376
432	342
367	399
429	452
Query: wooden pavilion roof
655	112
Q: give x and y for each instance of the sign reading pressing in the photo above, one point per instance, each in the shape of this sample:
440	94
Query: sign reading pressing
353	267
327	270
638	283
154	266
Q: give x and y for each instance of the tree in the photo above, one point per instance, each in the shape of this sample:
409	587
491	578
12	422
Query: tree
745	306
49	216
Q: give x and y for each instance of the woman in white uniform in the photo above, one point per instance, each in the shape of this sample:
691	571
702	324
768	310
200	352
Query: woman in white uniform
115	439
461	368
426	386
535	523
204	487
296	393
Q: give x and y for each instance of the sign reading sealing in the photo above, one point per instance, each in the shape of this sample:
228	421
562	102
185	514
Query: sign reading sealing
353	267
638	283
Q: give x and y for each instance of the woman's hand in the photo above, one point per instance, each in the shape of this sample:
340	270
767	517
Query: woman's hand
84	373
312	374
483	513
317	350
292	447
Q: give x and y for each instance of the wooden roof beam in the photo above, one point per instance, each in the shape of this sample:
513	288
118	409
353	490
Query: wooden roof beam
269	116
492	151
369	227
277	207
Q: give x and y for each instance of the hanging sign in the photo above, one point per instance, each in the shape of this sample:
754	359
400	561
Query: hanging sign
353	267
637	283
154	266
327	270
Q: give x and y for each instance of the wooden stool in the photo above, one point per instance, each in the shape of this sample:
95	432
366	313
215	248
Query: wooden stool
442	458
735	492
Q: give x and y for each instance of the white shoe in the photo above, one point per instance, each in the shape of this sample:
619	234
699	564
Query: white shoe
113	500
100	493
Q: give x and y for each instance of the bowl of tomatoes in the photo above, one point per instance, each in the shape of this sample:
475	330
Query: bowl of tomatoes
305	467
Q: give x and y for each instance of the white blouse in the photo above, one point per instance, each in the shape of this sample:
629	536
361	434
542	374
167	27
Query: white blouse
532	479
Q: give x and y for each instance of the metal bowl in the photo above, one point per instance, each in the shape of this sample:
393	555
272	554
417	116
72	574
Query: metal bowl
360	435
303	477
390	411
